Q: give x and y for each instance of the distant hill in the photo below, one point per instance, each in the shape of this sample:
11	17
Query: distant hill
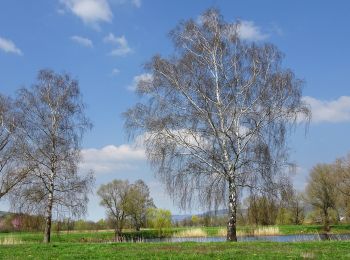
4	213
176	218
219	212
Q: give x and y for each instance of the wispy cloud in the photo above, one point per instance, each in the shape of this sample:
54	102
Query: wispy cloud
9	46
146	77
112	158
82	41
247	30
92	12
136	3
115	71
122	47
329	111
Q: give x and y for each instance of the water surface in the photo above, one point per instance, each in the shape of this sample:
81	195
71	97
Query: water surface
280	238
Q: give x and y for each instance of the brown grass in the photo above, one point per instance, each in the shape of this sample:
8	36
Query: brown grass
193	232
10	240
257	231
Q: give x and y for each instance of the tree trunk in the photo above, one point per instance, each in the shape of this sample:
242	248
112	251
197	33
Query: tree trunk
48	219
326	220
118	234
232	211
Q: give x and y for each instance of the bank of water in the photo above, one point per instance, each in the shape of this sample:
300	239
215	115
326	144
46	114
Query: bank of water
279	238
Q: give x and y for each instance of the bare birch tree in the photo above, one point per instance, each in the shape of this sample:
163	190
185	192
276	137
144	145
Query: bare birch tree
51	129
12	170
216	114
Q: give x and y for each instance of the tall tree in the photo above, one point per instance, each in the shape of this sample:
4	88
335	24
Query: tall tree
52	125
342	170
342	174
321	191
12	171
114	197
215	115
138	202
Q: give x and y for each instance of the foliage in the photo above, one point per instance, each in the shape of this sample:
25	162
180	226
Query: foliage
321	192
124	201
159	219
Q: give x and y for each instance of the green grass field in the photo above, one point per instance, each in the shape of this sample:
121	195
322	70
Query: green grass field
97	245
219	250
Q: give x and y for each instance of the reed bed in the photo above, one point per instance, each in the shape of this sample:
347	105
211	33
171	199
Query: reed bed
266	231
193	232
10	240
257	231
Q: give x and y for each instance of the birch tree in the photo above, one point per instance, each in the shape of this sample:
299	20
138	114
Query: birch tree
51	129
216	114
12	171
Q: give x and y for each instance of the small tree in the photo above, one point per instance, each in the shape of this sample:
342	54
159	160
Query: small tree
159	219
216	114
114	197
321	191
52	123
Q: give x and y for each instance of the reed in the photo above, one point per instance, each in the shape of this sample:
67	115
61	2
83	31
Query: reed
193	232
257	231
10	240
266	231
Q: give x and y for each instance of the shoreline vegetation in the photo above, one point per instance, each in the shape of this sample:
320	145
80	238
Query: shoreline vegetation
100	236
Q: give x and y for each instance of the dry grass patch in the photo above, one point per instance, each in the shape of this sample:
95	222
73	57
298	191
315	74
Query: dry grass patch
193	232
266	231
257	231
10	240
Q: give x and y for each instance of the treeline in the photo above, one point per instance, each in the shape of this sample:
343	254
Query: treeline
325	200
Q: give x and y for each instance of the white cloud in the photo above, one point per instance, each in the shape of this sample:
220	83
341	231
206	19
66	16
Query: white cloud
334	111
136	3
115	71
82	41
7	45
122	46
110	38
142	77
247	30
92	12
112	158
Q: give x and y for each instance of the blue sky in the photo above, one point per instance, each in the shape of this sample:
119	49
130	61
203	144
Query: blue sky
104	44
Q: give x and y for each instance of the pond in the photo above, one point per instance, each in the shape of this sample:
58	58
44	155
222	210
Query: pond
281	238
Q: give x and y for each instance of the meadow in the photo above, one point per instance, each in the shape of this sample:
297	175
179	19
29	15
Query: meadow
99	245
188	250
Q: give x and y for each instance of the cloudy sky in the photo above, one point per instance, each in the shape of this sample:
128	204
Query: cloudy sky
104	44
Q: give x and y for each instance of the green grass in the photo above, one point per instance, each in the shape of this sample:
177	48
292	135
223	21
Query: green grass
219	250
